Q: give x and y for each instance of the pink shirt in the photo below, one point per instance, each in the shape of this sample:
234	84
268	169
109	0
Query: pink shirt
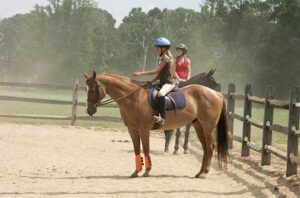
182	69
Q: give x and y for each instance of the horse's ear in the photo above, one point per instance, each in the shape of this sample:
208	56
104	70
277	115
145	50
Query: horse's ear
94	74
211	72
86	76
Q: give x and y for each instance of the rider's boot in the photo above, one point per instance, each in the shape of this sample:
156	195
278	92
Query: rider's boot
160	119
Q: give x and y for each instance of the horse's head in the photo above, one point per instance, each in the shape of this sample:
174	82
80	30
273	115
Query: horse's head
205	79
95	93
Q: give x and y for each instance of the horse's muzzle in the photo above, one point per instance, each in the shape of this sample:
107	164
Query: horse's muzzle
91	110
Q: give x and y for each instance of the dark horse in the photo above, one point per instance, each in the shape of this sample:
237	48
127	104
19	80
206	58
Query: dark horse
205	79
205	108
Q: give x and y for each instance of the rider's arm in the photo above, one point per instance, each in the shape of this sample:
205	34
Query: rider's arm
176	76
149	72
154	79
189	70
175	73
152	72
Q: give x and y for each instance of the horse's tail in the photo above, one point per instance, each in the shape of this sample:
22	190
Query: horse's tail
222	136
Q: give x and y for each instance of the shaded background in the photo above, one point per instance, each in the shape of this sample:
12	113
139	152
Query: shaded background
247	41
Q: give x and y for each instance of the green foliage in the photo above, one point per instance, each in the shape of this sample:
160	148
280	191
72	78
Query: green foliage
247	41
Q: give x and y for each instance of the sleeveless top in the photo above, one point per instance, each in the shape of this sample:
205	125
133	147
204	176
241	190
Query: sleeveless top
182	69
165	76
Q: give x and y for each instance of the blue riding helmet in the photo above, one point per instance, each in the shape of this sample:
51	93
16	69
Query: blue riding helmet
162	42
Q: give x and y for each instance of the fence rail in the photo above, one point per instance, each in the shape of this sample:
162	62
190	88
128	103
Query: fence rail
38	85
48	117
74	103
267	126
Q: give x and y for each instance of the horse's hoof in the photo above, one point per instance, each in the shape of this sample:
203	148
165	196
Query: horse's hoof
134	174
185	152
175	152
166	150
146	174
201	176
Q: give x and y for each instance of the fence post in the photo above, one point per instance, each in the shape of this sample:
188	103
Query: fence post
230	112
292	146
74	102
246	125
267	132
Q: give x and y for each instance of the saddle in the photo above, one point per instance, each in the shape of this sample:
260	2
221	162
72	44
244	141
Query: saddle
175	100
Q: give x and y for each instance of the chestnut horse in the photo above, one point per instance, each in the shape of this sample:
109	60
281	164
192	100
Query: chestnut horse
205	108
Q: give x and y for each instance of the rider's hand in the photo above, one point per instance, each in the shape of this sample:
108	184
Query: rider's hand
137	73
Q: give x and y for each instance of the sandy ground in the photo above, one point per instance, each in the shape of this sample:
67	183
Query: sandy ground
54	161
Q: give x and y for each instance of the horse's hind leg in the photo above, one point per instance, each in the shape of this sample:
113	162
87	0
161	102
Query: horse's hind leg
206	138
210	145
137	150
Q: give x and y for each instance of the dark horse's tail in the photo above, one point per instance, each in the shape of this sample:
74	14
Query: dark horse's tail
222	136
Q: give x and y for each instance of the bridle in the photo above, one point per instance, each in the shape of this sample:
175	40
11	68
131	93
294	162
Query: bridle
100	90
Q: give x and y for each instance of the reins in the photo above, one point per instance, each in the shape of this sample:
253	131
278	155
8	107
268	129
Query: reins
109	101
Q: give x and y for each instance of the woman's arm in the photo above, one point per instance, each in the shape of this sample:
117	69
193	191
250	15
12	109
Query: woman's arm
177	77
175	73
154	79
151	72
189	70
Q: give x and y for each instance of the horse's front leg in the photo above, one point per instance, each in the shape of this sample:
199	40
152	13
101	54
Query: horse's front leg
186	138
145	136
168	135
137	150
176	146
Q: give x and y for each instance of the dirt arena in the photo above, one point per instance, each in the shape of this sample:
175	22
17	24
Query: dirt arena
55	161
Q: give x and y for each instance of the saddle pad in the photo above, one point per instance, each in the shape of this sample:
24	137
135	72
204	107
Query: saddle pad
177	100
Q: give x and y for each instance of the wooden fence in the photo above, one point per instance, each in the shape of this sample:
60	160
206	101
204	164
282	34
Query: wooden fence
267	126
73	104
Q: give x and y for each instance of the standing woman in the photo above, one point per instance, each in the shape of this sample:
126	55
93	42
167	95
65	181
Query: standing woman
164	73
183	73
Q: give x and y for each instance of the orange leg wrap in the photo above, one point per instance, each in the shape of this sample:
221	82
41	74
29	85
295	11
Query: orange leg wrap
148	163
138	163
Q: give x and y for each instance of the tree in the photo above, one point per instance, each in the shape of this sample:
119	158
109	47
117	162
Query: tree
138	30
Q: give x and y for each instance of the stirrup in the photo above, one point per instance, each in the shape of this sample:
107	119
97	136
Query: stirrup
159	119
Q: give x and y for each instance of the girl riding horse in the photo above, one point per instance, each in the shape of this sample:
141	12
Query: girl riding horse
164	73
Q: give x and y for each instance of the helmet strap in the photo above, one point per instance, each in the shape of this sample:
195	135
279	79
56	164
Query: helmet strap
183	53
163	50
